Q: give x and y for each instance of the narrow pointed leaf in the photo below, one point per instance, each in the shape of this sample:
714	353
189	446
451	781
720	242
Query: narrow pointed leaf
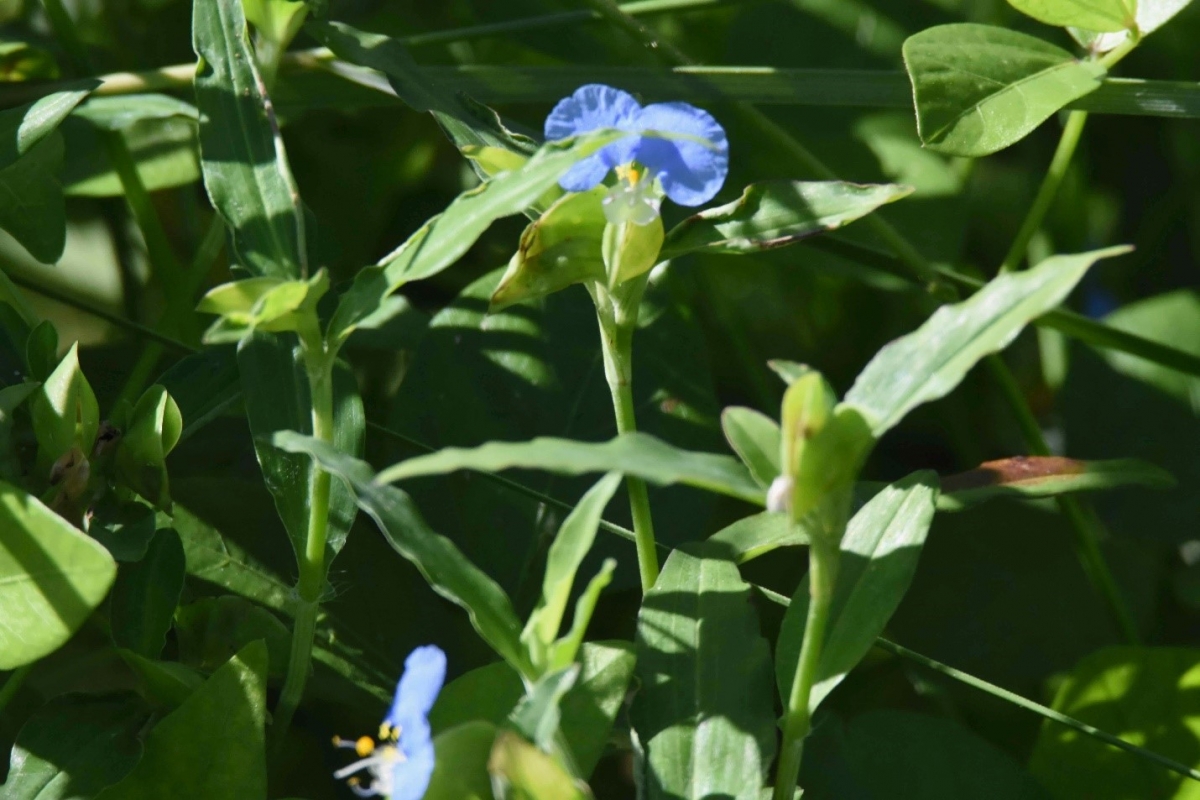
1046	476
756	438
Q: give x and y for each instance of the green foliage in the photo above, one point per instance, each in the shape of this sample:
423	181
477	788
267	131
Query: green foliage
145	595
1092	15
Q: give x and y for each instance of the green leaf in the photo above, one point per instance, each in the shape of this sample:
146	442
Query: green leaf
445	238
563	651
898	755
757	535
789	371
928	363
211	747
212	630
277	399
11	398
125	529
277	20
704	714
1151	15
164	683
460	763
203	385
119	112
442	564
756	438
162	139
520	771
1092	15
878	559
245	168
65	413
22	128
1046	476
636	454
145	595
979	88
537	716
74	746
51	578
1147	696
32	208
152	433
1172	318
571	545
776	214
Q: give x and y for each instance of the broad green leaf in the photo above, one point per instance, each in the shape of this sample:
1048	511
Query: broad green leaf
32	208
755	437
776	214
979	88
124	528
490	693
212	747
704	713
1147	696
212	630
460	763
51	578
65	413
630	249
162	139
277	399
445	238
164	683
1092	15
636	454
151	434
277	20
22	128
115	113
878	558
245	168
74	746
560	248
1151	15
899	755
928	363
442	564
757	535
1172	318
145	595
571	545
537	716
1046	476
520	771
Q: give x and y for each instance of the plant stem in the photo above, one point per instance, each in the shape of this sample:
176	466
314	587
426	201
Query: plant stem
1085	525
319	366
822	573
617	312
13	685
1047	191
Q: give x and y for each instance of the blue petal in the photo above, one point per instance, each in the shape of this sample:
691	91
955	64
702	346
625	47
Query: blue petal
590	108
586	174
424	673
692	172
410	778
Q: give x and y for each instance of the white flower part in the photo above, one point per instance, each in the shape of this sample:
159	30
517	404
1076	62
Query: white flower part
634	199
779	496
379	763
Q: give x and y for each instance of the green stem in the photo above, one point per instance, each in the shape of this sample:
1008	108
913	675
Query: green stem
617	312
1085	525
311	584
1047	191
822	573
13	685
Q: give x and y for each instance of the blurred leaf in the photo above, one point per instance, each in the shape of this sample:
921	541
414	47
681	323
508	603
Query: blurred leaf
32	208
979	89
776	214
1147	696
522	772
446	237
537	716
277	20
204	385
125	529
1172	318
20	61
1151	15
245	169
460	763
74	746
165	151
165	683
11	398
878	558
441	563
902	158
705	734
1093	15
41	350
757	535
755	437
145	595
51	578
637	454
571	545
213	629
899	755
119	112
928	363
1046	476
211	747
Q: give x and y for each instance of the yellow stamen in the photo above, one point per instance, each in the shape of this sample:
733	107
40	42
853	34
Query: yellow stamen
364	746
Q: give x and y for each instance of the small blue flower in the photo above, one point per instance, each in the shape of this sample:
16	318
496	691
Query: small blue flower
401	764
690	161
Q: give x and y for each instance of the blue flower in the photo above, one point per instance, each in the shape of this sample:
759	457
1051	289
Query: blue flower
401	764
690	160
